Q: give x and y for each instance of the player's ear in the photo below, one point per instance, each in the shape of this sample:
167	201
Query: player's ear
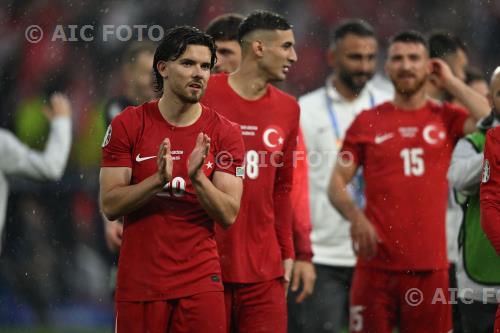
258	47
162	68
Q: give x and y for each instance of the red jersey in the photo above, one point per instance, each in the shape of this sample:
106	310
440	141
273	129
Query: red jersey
300	204
253	248
405	156
169	249
490	188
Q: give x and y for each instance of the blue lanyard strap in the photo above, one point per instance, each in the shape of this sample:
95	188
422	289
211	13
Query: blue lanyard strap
332	115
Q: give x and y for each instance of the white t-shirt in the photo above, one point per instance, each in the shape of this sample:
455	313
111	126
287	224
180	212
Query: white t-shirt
323	135
19	159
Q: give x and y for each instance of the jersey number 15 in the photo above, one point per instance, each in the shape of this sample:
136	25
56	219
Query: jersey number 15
413	161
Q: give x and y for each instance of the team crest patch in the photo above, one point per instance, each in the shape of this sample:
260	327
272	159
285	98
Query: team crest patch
434	134
107	136
486	171
273	138
240	172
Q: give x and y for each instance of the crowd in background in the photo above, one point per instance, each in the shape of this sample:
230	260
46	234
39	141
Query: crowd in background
54	253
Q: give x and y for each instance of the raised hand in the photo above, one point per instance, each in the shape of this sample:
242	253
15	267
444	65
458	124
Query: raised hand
441	74
59	106
165	162
198	155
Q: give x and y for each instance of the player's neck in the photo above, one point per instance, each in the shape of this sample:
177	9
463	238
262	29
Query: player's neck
343	90
248	83
179	113
410	102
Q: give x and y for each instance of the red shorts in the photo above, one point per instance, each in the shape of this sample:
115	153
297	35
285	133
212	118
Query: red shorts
203	312
416	302
256	308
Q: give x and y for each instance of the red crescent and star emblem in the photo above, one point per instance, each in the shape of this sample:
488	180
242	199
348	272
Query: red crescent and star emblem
273	138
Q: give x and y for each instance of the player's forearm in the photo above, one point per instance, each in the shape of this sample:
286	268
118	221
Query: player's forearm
284	224
123	200
341	199
220	206
477	104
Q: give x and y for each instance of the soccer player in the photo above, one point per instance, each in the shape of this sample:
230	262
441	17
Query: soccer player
18	159
224	31
257	252
478	267
490	195
170	169
404	147
326	113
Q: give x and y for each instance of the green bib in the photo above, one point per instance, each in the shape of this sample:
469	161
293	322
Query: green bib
481	262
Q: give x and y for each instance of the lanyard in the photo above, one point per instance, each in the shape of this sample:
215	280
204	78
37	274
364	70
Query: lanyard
333	117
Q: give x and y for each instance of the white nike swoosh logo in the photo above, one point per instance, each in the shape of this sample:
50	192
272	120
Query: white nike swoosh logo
138	158
381	138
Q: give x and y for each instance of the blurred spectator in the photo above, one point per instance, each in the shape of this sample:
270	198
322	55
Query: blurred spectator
224	31
326	113
18	159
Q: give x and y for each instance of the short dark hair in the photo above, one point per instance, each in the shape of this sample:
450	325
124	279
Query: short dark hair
410	36
262	20
442	43
174	44
356	27
225	27
136	48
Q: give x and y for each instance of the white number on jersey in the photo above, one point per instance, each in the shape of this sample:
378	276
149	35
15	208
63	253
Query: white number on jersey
413	161
177	186
356	318
252	164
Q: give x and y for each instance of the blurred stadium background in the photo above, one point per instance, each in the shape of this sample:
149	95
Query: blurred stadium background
54	264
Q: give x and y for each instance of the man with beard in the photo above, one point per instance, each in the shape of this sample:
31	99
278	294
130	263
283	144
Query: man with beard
404	147
326	113
159	171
